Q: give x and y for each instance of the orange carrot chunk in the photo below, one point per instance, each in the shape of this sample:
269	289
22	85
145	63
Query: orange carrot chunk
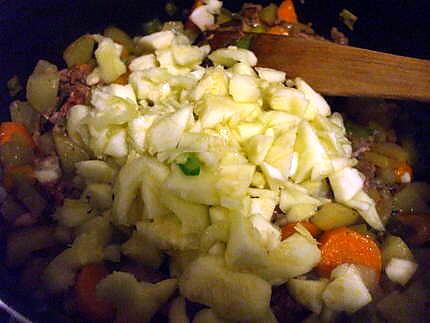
287	12
10	129
288	230
89	304
343	245
403	173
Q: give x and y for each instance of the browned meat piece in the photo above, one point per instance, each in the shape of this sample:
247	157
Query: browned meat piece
73	88
338	37
369	171
285	308
250	15
360	145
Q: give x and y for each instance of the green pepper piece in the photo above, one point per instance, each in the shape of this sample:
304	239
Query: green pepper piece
191	167
244	42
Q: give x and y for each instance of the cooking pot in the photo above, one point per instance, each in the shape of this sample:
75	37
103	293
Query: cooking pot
31	30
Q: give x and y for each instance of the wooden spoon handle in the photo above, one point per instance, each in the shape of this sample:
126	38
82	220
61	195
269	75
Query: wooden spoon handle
338	70
343	70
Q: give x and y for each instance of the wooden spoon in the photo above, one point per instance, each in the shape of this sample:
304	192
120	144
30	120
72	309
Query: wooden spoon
338	70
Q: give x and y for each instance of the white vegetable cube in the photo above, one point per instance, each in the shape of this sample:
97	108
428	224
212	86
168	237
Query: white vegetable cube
202	17
270	74
142	63
232	55
269	234
347	291
109	61
400	270
166	132
187	55
346	183
137	129
244	88
366	208
308	292
257	147
316	101
117	145
242	69
263	206
158	40
289	100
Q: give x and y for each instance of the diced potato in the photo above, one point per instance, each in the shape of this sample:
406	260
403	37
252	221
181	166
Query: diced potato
346	292
135	302
95	171
80	51
334	215
99	195
197	189
186	55
244	88
395	247
308	292
231	295
22	112
400	270
120	37
69	152
142	250
42	86
295	256
108	58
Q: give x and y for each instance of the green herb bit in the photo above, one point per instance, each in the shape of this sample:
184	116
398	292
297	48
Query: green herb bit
191	167
348	18
244	42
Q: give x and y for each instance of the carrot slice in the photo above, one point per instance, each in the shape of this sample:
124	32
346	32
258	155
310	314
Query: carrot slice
287	12
278	30
10	129
288	230
403	173
17	173
343	245
89	304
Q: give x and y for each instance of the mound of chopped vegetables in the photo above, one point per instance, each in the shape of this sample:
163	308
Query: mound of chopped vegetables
221	179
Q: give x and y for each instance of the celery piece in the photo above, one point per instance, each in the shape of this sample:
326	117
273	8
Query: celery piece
191	167
244	42
80	51
269	14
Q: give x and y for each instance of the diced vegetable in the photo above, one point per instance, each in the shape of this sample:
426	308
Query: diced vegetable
191	166
69	152
80	51
95	171
231	295
22	112
400	270
73	213
413	198
342	245
346	183
308	292
269	14
89	304
395	247
287	12
244	88
135	302
334	215
120	37
231	55
152	26
346	292
99	195
290	229
108	59
42	86
142	250
158	40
